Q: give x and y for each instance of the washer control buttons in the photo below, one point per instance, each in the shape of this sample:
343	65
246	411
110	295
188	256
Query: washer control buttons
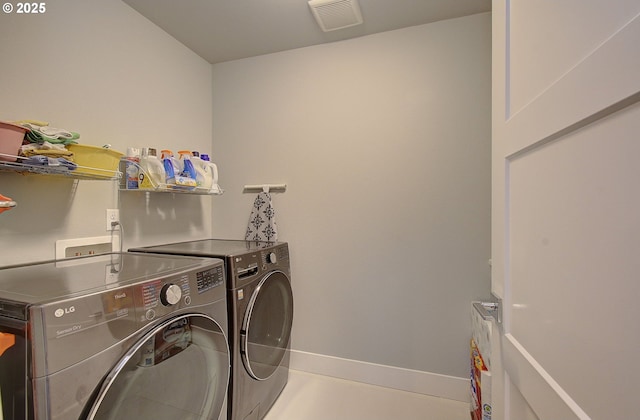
170	294
272	258
150	314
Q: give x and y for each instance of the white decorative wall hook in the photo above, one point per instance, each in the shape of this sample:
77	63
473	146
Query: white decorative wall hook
265	188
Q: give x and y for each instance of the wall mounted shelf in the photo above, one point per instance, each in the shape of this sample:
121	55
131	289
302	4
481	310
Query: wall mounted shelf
79	172
60	171
163	187
169	188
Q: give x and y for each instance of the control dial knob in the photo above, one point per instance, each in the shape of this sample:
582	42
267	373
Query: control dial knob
170	294
272	258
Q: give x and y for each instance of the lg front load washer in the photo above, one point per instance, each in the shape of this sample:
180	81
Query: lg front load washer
260	302
114	336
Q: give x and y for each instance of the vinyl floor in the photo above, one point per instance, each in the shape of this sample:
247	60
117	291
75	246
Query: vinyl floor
314	397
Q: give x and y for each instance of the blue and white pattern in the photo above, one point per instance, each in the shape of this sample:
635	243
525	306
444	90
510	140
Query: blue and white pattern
262	221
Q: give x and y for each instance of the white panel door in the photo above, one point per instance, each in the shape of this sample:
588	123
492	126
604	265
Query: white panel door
566	208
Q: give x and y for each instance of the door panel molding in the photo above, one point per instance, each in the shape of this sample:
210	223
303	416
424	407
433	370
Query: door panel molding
545	395
570	103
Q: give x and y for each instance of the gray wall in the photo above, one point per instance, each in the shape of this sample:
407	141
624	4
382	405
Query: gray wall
103	70
384	143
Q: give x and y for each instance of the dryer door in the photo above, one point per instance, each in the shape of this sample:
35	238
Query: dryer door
14	380
266	328
178	370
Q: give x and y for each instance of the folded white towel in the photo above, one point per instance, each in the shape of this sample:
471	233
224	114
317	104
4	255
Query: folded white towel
262	221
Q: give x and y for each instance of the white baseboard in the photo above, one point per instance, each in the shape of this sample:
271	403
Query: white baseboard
434	384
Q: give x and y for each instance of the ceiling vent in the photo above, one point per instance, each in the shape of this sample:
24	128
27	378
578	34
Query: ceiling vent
336	14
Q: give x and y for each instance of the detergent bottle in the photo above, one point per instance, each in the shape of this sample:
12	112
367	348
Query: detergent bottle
171	166
152	173
188	168
175	171
132	168
204	178
212	169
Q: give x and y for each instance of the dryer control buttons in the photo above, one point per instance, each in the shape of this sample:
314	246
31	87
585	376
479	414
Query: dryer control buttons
170	294
150	314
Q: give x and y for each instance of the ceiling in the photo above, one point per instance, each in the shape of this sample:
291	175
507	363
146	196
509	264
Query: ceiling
224	30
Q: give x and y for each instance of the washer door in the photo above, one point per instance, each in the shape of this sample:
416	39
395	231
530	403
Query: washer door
178	370
266	328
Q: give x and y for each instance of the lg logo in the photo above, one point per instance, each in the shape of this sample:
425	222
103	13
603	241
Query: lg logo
60	312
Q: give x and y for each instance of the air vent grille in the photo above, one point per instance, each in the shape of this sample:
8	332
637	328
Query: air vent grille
336	14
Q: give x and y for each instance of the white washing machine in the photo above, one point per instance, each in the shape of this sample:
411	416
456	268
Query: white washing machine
260	302
114	336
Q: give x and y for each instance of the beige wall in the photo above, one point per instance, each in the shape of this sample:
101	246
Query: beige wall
384	143
101	69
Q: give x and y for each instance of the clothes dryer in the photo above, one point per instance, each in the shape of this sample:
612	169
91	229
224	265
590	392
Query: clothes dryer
260	302
114	336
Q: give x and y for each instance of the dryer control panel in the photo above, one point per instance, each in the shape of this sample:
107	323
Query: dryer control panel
94	322
161	297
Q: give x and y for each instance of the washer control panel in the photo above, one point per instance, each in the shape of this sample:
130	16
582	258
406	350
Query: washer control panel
246	267
278	255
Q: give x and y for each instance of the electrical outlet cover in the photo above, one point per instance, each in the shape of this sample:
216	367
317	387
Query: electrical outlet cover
85	246
113	215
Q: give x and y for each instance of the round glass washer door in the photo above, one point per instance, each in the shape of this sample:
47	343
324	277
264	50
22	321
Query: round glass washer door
266	328
178	370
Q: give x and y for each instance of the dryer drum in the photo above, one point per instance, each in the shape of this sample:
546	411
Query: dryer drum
149	381
166	343
266	329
